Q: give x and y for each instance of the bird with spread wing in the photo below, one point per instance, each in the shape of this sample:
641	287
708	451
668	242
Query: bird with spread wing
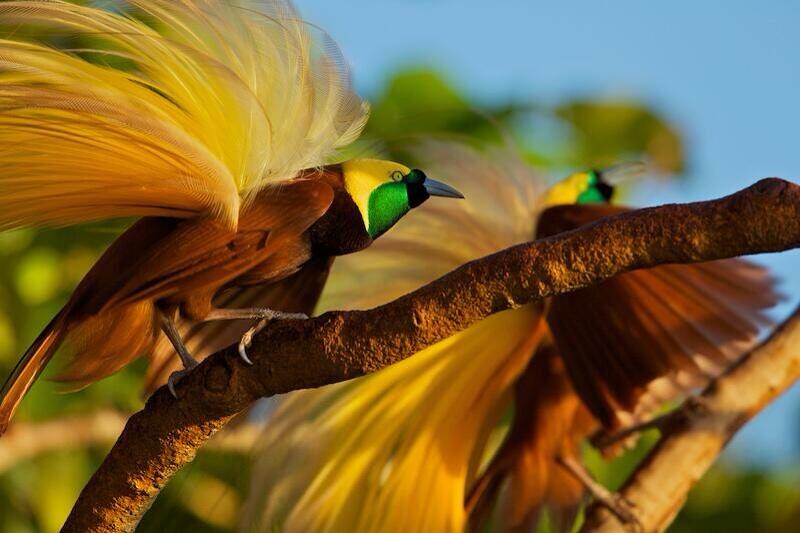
216	123
474	430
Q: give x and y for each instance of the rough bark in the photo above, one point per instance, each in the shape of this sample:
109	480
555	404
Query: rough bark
337	346
695	434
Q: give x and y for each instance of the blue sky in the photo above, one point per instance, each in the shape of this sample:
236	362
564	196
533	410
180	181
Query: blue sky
726	72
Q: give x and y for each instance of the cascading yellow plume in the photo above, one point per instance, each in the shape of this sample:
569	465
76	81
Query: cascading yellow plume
206	102
393	451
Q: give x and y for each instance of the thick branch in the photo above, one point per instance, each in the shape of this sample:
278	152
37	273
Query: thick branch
694	437
337	346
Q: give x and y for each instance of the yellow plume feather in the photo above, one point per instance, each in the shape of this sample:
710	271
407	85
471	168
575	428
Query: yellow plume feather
392	452
209	102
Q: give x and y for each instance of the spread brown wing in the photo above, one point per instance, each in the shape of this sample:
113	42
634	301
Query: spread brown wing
680	323
299	293
199	253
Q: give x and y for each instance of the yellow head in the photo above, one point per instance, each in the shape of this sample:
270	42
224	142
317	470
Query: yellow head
592	186
583	187
385	191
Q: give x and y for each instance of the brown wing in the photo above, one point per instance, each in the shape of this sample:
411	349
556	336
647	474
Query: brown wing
199	253
298	293
647	336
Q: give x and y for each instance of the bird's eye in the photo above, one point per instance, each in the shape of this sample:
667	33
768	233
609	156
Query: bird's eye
396	175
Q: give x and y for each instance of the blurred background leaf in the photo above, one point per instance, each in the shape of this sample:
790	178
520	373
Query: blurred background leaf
607	131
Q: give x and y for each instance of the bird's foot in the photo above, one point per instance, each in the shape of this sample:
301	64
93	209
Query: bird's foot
620	507
614	502
189	362
604	441
269	315
177	375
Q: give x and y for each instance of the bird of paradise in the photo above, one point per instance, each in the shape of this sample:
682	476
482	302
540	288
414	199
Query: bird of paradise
217	123
420	446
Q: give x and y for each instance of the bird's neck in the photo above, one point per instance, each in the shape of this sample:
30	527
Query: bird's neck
341	229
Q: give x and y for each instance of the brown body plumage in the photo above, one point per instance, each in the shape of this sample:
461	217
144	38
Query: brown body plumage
167	268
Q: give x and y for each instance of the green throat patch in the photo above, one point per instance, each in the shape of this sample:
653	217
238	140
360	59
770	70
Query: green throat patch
387	204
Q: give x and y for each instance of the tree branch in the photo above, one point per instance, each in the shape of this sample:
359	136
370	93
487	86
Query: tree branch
337	346
695	434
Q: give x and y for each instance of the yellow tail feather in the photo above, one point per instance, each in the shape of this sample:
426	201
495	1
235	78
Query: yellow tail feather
360	456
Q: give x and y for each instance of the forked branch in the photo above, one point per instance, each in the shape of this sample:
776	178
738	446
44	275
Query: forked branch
695	435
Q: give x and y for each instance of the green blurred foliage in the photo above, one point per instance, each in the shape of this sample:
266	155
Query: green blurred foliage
739	501
576	134
607	131
38	269
418	103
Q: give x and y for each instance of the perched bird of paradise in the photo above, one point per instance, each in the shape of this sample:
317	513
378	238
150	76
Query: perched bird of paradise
212	120
473	430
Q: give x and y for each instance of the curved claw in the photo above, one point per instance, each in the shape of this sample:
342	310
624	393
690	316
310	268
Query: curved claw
171	386
243	351
247	338
175	377
267	316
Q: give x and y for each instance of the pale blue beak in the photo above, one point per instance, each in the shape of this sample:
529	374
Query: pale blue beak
437	188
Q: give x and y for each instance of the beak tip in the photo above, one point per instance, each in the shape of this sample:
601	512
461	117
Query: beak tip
437	188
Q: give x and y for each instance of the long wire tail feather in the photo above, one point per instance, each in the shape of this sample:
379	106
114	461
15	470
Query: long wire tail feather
30	366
